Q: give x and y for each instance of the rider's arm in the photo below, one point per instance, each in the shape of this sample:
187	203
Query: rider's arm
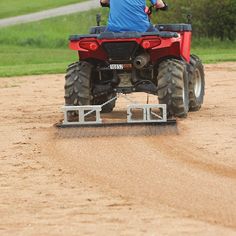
159	4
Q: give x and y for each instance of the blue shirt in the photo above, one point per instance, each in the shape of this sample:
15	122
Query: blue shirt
128	15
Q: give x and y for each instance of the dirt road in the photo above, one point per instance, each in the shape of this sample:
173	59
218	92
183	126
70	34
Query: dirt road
175	184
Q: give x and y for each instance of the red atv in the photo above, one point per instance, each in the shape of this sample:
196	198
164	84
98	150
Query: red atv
158	63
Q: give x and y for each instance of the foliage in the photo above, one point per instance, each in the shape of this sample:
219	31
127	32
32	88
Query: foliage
210	18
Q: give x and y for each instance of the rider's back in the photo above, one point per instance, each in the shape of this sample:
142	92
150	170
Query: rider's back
128	15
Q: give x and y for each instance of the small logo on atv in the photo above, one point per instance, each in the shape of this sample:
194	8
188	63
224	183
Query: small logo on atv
116	67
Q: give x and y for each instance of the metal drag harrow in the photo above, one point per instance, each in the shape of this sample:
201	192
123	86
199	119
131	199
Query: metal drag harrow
136	114
141	119
91	115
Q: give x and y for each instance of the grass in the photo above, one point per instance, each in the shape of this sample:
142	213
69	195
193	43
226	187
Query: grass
214	50
41	47
50	33
214	55
19	7
18	60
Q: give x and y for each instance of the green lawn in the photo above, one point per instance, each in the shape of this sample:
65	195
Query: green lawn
212	51
214	55
19	7
42	47
16	60
50	33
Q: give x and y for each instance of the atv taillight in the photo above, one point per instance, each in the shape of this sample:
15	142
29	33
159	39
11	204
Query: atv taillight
89	45
150	43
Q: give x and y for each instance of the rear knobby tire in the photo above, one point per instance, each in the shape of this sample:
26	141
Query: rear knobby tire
196	83
78	89
172	84
77	84
109	106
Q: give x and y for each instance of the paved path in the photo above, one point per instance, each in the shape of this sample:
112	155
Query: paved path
78	7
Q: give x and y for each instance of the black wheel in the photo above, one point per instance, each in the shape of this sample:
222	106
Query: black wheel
196	84
109	106
78	87
77	84
172	82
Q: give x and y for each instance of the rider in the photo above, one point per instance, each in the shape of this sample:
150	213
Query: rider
130	15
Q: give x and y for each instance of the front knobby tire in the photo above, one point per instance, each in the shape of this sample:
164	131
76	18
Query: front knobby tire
196	83
172	82
77	84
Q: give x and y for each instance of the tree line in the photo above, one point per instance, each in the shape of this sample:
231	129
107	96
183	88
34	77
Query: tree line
209	18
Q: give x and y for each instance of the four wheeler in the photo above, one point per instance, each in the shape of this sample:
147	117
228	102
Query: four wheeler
157	63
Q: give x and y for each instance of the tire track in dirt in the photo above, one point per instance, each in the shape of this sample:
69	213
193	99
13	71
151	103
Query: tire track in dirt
168	170
136	169
190	156
171	184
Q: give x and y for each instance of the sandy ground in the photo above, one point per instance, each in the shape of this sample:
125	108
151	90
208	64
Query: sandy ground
174	184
